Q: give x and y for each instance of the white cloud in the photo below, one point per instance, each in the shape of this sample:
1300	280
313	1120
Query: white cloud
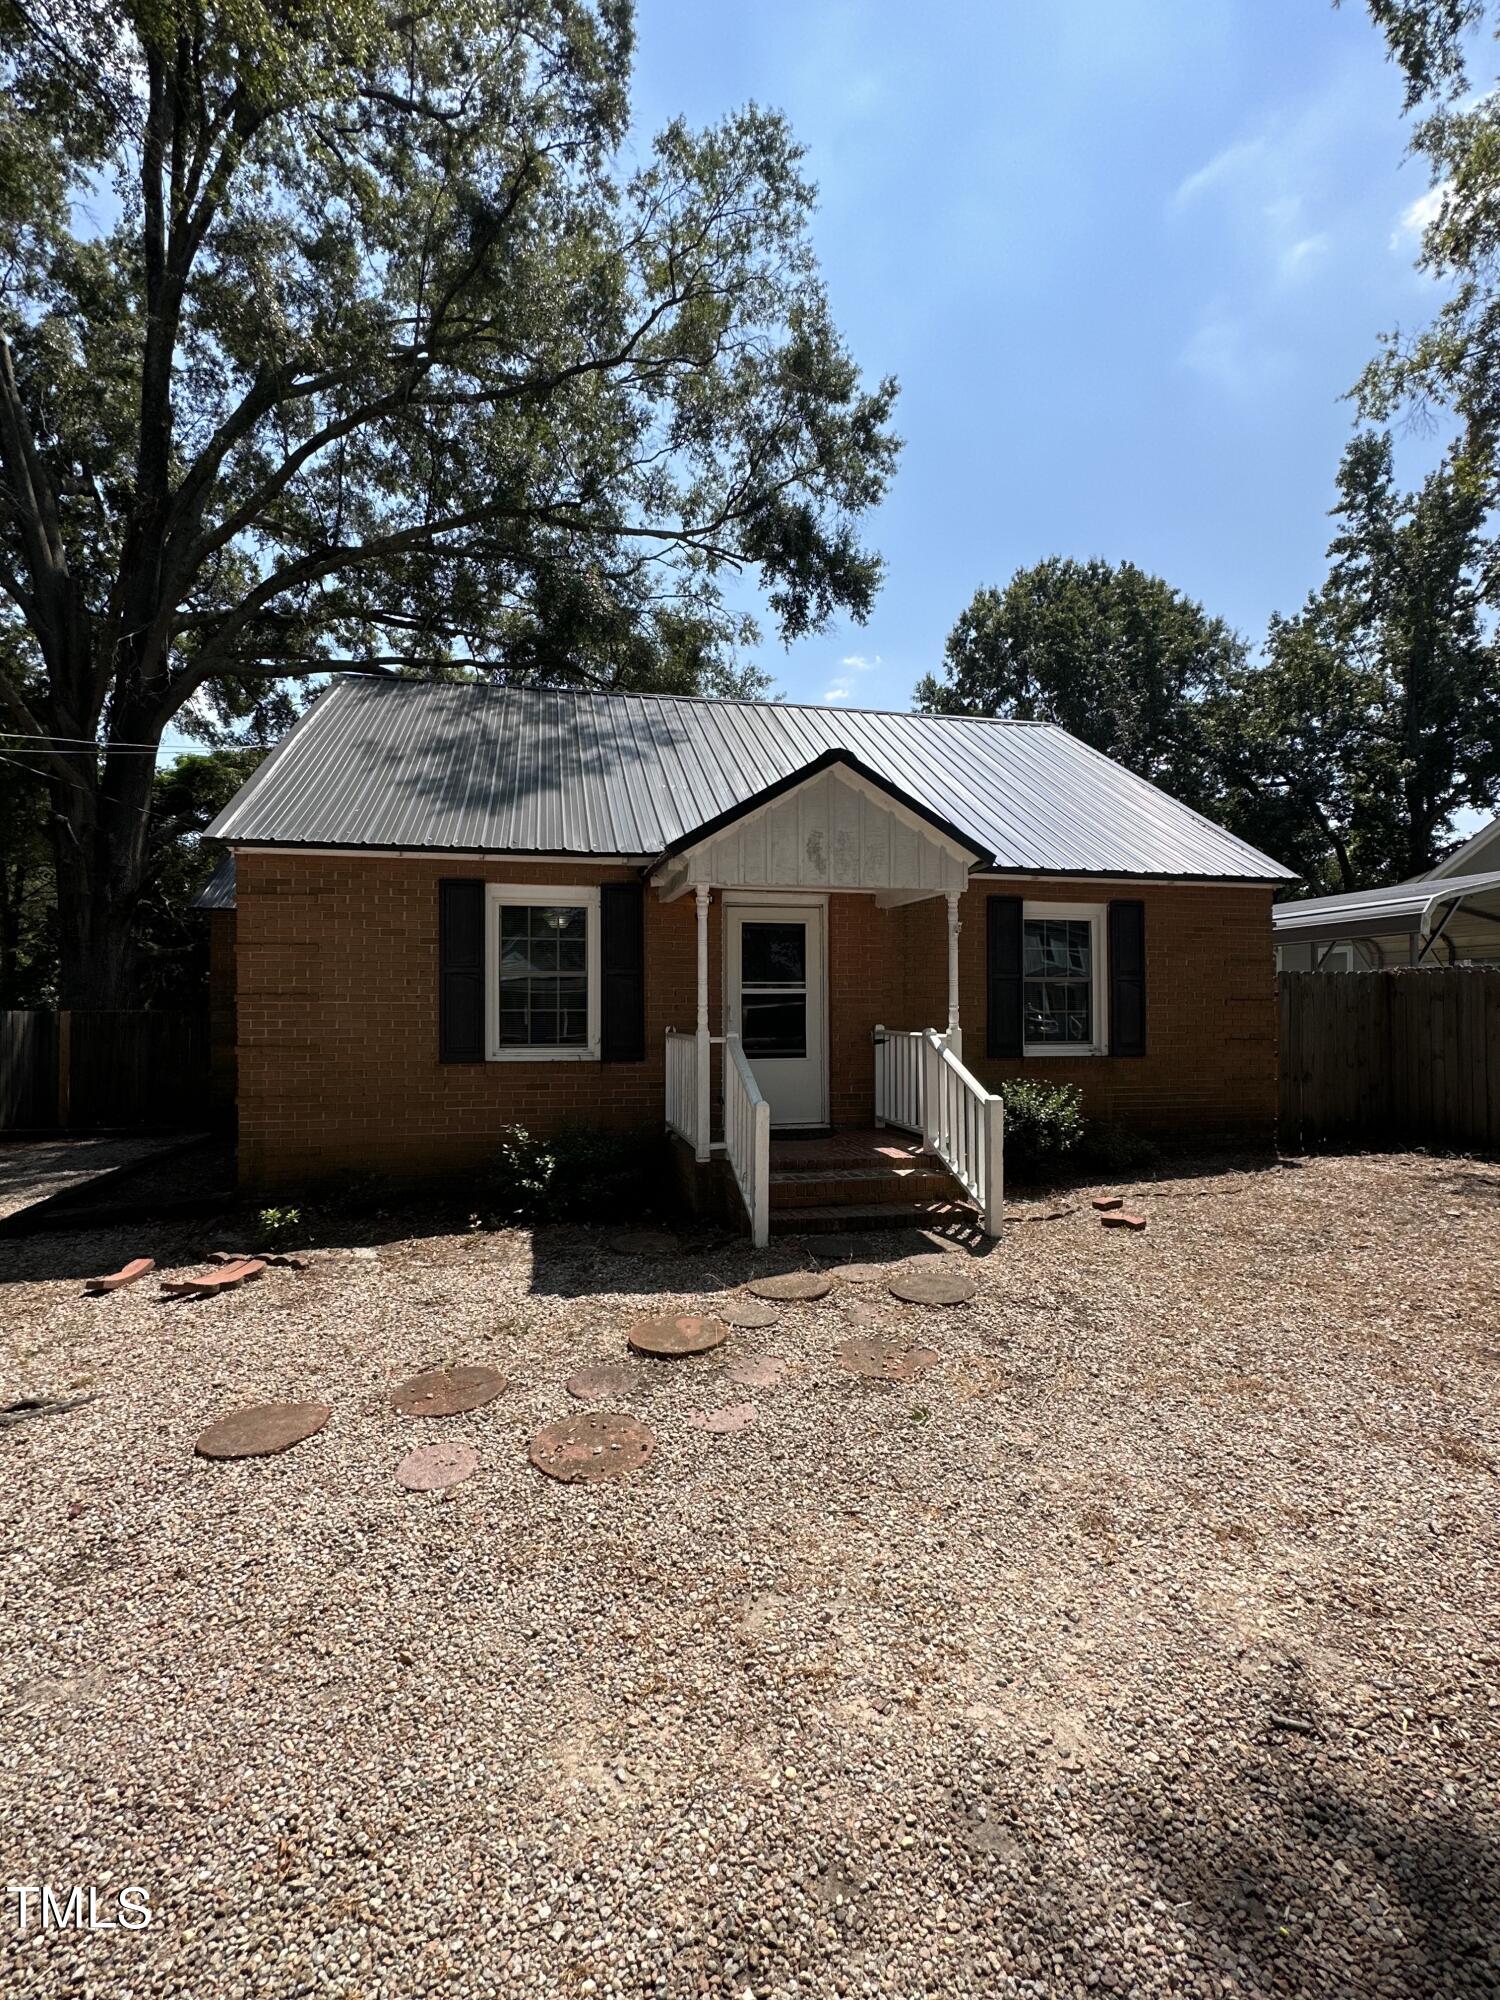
1301	255
842	687
1224	167
1416	215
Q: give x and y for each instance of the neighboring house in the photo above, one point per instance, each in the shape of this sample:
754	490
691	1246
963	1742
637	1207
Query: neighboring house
1449	916
459	908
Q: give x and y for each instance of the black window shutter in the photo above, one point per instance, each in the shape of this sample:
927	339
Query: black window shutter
460	970
1127	979
622	967
1003	975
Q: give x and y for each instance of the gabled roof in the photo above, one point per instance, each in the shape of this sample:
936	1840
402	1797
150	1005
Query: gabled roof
836	759
1478	854
474	768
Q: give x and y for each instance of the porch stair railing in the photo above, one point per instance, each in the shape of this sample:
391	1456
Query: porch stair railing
687	1105
921	1086
747	1139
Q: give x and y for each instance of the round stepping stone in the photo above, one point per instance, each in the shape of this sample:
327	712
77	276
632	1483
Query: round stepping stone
792	1285
643	1243
429	1468
733	1417
606	1379
940	1285
262	1430
596	1444
447	1392
757	1371
749	1313
669	1338
862	1274
886	1360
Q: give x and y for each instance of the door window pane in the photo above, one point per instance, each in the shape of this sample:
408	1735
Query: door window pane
773	1024
1058	981
543	997
773	955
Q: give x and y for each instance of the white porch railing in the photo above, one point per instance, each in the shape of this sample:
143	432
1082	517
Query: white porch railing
898	1078
747	1139
921	1086
684	1113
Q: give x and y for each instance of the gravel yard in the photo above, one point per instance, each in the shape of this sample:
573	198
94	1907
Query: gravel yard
1147	1644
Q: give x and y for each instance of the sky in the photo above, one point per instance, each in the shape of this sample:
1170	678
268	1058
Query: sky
1126	258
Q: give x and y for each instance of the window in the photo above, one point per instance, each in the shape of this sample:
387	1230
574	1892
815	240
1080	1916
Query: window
773	989
1062	979
542	997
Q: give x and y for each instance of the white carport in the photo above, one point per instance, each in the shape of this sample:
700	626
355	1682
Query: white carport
1438	920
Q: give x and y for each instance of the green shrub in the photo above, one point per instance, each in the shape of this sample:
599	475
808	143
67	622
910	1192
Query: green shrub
277	1227
1044	1122
580	1174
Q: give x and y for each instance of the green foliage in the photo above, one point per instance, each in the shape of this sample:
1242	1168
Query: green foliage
1114	656
277	1228
1044	1123
1375	716
391	349
580	1174
1454	363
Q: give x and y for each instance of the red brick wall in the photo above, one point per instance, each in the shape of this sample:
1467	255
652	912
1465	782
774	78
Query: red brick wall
337	1015
1210	1064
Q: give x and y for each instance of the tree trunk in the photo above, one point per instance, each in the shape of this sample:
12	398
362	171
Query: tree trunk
99	825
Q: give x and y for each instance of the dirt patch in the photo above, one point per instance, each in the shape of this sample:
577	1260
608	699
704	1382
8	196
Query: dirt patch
1147	1645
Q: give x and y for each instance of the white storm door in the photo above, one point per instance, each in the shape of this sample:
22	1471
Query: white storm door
775	1003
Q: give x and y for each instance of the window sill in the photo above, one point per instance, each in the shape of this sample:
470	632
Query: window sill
542	1055
1045	1051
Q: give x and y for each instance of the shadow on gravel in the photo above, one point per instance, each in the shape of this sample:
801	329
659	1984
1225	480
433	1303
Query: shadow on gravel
1300	1888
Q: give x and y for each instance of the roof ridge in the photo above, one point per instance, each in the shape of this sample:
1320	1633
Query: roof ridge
696	700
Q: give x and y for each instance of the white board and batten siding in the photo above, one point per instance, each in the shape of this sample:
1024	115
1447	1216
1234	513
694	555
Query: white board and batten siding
834	832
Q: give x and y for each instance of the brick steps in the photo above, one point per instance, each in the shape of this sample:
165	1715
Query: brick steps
957	1220
874	1178
864	1186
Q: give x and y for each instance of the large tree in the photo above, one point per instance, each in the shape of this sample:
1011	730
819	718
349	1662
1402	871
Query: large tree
332	329
1112	654
1455	362
1375	715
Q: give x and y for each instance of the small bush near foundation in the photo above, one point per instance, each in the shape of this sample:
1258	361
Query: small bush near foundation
280	1227
1044	1123
581	1174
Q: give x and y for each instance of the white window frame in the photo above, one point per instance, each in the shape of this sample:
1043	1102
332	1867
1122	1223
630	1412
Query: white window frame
1097	916
531	895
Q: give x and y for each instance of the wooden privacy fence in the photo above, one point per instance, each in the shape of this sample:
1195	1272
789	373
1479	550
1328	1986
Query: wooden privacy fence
1403	1056
96	1071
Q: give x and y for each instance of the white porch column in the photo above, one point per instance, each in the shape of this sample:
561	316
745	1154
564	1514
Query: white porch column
955	1032
701	1113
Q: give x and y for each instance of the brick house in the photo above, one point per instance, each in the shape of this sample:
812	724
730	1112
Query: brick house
811	942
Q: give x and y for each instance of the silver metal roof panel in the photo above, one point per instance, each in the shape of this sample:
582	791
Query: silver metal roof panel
475	768
217	892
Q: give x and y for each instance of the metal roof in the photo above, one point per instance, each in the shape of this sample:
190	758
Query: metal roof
1404	907
217	892
476	768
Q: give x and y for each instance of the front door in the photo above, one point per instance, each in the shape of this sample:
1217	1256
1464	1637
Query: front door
775	1004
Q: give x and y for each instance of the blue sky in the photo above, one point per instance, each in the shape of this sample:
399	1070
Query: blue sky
1125	256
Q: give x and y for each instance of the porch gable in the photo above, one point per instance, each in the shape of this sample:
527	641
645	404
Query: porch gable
831	825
